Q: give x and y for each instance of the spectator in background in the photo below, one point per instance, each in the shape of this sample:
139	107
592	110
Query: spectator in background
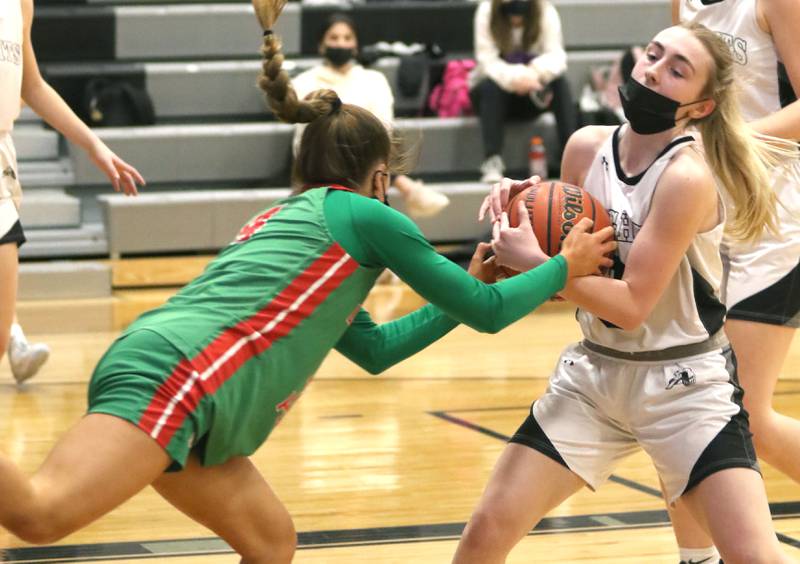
521	62
369	89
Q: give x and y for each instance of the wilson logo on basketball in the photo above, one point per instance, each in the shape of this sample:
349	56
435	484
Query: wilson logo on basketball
572	208
554	208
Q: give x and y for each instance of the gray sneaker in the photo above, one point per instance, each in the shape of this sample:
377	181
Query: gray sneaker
492	169
25	359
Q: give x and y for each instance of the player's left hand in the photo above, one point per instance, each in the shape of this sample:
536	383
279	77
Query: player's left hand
517	247
123	176
482	268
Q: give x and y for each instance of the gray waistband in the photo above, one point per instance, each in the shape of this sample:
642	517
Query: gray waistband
717	341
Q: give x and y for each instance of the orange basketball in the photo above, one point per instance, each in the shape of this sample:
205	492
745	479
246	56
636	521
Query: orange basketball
554	208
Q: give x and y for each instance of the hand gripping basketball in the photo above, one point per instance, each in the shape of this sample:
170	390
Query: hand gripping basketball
542	217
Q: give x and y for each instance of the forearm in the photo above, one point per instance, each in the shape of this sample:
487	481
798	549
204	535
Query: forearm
510	300
51	107
609	299
377	347
784	123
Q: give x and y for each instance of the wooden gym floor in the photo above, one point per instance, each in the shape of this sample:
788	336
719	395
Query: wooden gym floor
373	468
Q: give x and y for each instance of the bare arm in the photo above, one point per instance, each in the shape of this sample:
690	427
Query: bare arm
783	20
676	12
684	201
46	102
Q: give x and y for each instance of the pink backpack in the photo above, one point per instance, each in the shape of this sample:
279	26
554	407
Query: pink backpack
450	98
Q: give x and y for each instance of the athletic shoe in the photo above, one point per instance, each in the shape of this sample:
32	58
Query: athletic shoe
25	359
492	169
425	202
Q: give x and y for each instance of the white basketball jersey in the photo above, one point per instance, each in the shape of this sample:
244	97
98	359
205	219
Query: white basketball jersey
753	50
753	266
10	62
689	311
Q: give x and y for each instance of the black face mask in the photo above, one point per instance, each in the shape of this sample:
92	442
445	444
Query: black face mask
338	56
648	111
516	8
385	199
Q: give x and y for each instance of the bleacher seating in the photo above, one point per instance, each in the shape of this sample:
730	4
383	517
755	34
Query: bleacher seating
199	61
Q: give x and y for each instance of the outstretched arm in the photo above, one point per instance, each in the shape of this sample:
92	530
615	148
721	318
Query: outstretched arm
377	347
46	102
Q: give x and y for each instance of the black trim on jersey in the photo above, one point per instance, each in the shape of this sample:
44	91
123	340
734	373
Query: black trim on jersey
778	304
531	434
785	90
733	445
709	2
709	308
634	180
14	235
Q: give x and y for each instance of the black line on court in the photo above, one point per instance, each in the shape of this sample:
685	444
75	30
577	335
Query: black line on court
613	478
310	540
786	539
495	435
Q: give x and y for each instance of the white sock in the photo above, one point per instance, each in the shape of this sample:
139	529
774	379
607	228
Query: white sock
16	332
699	555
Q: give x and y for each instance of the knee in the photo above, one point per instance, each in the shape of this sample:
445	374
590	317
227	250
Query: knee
488	89
278	547
36	529
752	555
485	534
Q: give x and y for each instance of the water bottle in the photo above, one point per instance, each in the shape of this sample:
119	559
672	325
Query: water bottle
537	158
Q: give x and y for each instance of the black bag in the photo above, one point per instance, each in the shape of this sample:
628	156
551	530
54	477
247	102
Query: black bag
115	103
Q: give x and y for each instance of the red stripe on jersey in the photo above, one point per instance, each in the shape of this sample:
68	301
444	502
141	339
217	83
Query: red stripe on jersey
192	380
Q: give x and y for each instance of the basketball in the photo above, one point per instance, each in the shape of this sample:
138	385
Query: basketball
554	208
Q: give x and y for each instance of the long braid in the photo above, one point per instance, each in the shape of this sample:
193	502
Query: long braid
282	98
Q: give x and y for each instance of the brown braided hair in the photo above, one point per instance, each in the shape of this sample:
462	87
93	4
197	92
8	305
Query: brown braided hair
342	142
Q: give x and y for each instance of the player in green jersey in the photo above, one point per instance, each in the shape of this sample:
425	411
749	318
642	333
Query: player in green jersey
197	385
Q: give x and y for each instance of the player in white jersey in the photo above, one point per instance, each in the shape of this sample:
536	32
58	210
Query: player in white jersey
762	292
654	370
20	79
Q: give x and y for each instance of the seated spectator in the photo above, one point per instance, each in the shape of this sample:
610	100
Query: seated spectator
369	89
520	73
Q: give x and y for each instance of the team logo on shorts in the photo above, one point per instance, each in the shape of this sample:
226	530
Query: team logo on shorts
10	172
683	376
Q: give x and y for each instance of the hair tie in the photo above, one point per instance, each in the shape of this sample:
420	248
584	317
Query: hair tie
267	32
336	105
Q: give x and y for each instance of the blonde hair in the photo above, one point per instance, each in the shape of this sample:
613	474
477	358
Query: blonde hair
741	159
342	142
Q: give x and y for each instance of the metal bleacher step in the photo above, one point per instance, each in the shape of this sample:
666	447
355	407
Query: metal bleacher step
35	143
53	173
56	280
49	208
89	239
28	116
205	221
261	152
